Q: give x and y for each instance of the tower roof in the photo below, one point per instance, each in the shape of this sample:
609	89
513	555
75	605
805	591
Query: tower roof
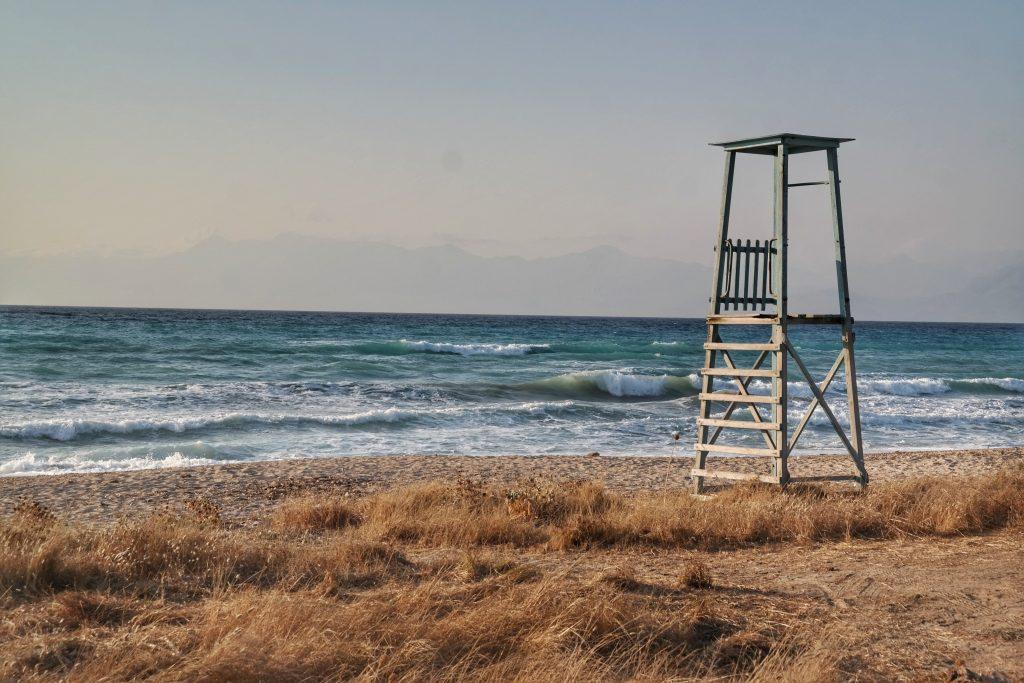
794	142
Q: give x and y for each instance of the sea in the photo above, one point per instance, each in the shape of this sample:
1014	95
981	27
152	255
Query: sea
95	390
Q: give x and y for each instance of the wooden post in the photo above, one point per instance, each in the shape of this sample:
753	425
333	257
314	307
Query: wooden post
842	280
780	328
707	381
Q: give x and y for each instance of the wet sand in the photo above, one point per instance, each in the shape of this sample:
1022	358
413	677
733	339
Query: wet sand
247	490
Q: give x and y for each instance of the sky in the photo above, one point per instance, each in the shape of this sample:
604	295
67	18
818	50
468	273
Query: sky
523	128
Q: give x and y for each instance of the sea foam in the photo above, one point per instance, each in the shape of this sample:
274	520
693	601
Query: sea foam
32	463
473	349
616	383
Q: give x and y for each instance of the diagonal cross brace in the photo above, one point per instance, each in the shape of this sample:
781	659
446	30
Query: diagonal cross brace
825	384
821	400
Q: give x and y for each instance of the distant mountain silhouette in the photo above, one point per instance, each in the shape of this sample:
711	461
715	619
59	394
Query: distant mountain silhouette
308	273
298	272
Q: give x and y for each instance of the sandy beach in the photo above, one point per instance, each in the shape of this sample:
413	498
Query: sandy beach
245	491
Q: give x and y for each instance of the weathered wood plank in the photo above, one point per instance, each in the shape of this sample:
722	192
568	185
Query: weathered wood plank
738	372
741	450
758	296
735	291
746	278
741	476
737	398
736	424
760	319
741	346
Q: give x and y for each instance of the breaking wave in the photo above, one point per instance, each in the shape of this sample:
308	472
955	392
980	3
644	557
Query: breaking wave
616	383
68	430
927	386
184	455
904	386
1011	384
908	386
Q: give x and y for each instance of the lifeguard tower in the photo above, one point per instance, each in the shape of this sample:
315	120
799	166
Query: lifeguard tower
749	288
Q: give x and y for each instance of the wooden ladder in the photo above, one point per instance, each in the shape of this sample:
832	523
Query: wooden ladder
709	428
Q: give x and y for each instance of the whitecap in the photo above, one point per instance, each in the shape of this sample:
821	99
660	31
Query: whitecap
510	349
904	386
617	383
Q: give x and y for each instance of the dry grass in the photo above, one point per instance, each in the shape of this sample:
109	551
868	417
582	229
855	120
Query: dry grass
584	514
314	514
697	575
327	590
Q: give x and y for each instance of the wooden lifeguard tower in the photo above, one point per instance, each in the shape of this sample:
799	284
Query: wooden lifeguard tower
749	287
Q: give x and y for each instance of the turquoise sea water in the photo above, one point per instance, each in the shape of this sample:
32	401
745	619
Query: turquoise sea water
107	389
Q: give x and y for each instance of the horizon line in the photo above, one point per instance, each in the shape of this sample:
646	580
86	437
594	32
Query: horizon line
468	315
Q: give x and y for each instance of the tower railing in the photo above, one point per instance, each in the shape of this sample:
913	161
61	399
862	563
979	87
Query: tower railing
748	270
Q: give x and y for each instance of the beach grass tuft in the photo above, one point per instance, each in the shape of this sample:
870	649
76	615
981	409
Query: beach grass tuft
314	514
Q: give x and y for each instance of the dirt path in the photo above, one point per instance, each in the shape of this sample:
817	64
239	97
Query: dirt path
908	610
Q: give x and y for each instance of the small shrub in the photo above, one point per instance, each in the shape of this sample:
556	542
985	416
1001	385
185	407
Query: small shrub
204	511
35	511
314	514
477	566
697	575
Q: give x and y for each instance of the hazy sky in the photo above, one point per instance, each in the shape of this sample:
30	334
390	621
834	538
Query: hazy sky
506	128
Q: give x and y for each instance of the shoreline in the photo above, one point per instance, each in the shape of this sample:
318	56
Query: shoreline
248	490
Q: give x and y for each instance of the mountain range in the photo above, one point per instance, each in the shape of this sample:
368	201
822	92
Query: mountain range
310	273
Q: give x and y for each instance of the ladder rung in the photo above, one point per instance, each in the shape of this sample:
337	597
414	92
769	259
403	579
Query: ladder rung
744	450
739	372
738	398
759	319
738	346
737	424
745	476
